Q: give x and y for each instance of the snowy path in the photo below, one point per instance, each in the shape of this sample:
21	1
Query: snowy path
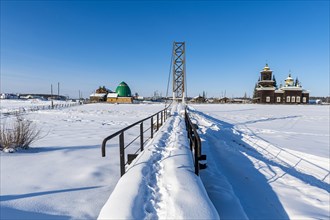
161	183
255	179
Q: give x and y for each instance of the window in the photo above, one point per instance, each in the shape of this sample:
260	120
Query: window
298	99
267	99
288	99
278	99
293	99
304	99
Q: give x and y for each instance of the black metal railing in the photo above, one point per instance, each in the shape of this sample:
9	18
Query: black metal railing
154	126
195	144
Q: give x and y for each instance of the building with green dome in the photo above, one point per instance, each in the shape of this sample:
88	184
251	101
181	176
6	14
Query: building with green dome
123	90
122	95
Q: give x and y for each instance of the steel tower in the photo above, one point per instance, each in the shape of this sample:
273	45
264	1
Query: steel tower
179	71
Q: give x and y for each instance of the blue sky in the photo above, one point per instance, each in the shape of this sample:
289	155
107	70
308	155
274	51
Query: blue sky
87	44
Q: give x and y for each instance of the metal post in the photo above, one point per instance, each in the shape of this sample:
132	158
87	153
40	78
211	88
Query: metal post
196	156
122	154
152	127
157	121
161	118
141	136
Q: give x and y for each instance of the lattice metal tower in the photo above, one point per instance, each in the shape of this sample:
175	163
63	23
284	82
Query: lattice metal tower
179	71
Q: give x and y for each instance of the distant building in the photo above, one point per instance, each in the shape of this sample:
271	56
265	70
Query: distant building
122	95
266	90
8	96
100	95
198	99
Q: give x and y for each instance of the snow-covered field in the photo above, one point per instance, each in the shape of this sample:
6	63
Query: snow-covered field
63	175
270	161
264	161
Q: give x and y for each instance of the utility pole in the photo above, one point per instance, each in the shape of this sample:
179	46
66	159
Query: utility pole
58	91
51	92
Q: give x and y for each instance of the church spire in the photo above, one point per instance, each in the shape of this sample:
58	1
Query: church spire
266	68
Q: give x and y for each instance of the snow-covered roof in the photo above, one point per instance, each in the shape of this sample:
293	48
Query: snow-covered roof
112	95
266	69
289	78
265	88
97	95
291	88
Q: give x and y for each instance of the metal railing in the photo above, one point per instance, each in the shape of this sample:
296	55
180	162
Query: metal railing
160	117
195	144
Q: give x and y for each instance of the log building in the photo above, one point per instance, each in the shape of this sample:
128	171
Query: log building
266	90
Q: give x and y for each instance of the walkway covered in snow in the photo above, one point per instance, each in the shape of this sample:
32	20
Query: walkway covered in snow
161	183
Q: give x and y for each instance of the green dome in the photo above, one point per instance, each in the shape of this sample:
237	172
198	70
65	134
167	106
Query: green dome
123	90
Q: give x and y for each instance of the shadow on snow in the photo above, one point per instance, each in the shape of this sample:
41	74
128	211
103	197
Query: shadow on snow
248	195
256	196
12	213
28	195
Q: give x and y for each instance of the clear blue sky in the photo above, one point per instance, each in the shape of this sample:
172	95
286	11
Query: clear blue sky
87	44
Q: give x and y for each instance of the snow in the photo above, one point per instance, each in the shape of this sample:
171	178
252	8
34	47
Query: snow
112	95
63	175
161	182
272	160
19	105
97	95
264	161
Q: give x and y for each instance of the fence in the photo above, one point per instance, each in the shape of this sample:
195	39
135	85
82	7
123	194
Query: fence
22	110
160	117
195	144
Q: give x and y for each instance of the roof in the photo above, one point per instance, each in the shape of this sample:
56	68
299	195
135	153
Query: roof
266	69
97	95
293	88
266	88
112	95
123	90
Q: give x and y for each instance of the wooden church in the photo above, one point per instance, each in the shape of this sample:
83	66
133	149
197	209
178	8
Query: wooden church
266	90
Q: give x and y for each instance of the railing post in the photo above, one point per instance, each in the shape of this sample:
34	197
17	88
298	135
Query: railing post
103	147
122	154
157	121
196	156
141	136
161	118
152	127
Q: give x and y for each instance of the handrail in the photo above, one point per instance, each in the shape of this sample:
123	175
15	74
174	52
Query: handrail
159	122
195	143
